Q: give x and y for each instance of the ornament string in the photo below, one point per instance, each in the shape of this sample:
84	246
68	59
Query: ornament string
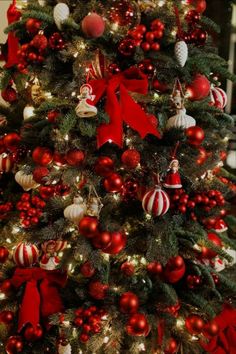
178	22
174	152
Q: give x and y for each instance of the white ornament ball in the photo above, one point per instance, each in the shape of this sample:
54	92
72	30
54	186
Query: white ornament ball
28	112
42	2
26	181
181	120
181	53
25	254
61	12
218	97
76	211
6	163
156	202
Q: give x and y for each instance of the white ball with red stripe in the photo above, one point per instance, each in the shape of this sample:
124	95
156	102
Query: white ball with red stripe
156	202
6	163
25	255
54	246
218	97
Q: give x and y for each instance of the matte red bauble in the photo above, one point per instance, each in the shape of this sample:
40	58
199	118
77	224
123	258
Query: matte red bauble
4	253
42	156
6	317
121	12
12	141
14	345
195	135
104	166
33	25
175	269
75	157
127	269
199	88
117	244
102	240
130	158
194	324
172	347
32	334
129	303
207	252
98	290
154	268
9	94
137	325
127	47
211	329
93	25
199	5
88	226
40	173
113	183
87	270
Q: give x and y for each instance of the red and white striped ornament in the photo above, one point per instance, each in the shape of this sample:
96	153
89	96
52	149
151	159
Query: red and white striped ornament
54	246
25	254
98	67
6	162
156	202
218	97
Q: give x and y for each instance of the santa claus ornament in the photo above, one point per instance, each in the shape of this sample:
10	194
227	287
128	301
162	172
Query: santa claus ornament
86	108
172	179
50	259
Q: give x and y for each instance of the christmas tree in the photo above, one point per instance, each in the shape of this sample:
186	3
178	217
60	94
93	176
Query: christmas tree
116	222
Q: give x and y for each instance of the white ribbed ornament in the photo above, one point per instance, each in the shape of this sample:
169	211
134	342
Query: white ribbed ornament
181	53
26	181
218	97
75	211
64	349
28	112
61	12
42	2
181	120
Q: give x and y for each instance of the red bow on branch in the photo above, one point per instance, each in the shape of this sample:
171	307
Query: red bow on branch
123	108
41	296
225	341
13	15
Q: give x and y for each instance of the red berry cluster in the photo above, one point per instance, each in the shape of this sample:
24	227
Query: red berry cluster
89	320
4	209
193	281
195	34
31	208
47	192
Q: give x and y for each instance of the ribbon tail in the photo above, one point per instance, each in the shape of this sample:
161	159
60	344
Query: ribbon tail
134	116
13	15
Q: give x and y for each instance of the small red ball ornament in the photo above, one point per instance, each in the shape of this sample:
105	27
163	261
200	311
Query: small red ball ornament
193	281
87	270
11	141
93	25
194	324
137	325
42	156
199	5
127	269
211	329
52	116
130	158
207	252
9	94
199	88
98	290
56	41
198	36
129	303
154	268
88	226
192	17
113	183
6	317
195	135
102	240
127	47
33	25
175	269
14	345
4	253
75	157
40	42
104	166
172	346
5	287
117	244
40	173
32	334
59	159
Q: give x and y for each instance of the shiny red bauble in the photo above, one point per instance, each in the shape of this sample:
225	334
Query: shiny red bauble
137	325
199	88
9	94
98	290
93	25
6	317
14	345
147	67
121	12
193	16
32	334
113	183
113	69
40	42
199	5
127	47
207	252
5	287
40	173
33	25
102	240
4	253
87	270
175	269
127	268
56	41
75	157
194	324
171	347
11	141
129	303
154	268
42	156
88	226
198	36
195	135
130	158
193	281
59	159
104	166
52	116
211	329
117	244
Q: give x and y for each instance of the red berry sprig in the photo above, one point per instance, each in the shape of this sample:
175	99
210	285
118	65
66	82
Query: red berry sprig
31	209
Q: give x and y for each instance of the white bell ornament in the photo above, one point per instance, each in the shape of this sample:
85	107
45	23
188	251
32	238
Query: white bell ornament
26	181
181	120
75	211
61	12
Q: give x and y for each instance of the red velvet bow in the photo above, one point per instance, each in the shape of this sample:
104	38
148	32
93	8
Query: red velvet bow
13	15
122	109
41	296
225	341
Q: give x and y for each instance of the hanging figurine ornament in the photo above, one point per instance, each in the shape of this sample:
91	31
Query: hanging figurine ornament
94	203
86	108
172	179
50	259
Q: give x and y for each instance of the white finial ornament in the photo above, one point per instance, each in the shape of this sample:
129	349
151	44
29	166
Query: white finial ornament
61	12
75	211
181	53
26	181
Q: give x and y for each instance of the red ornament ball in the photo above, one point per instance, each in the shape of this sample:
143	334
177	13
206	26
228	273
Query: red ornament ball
211	329
172	346
194	324
121	12
40	42
4	253
9	95
207	252
42	156
117	244
11	141
6	317
154	268
40	173
199	5
195	135
127	269
137	325
102	240
52	116
193	281
75	157
104	166
6	287
113	69
33	25
198	36
193	17
98	290
113	183
59	159
32	334
175	269
130	158
93	25
199	88
147	67
88	226
14	345
87	270
56	41
127	47
129	303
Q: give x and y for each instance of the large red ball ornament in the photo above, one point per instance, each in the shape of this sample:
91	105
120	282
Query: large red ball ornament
121	12
104	166
211	329
4	253
129	303
93	25
6	317
137	325
113	183
194	324
117	244
88	226
102	240
130	158
195	135
75	157
199	88
11	141
33	25
14	345
40	173
172	346
207	252
42	156
98	290
87	270
199	5
9	95
32	334
175	269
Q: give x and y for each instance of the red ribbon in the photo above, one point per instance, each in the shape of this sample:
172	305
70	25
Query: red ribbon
225	341
41	296
13	15
123	108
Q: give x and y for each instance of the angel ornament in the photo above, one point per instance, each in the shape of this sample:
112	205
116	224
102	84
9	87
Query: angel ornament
86	108
50	259
172	178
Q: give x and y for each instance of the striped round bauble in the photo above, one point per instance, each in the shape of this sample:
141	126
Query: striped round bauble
54	246
25	254
6	163
218	97
156	202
